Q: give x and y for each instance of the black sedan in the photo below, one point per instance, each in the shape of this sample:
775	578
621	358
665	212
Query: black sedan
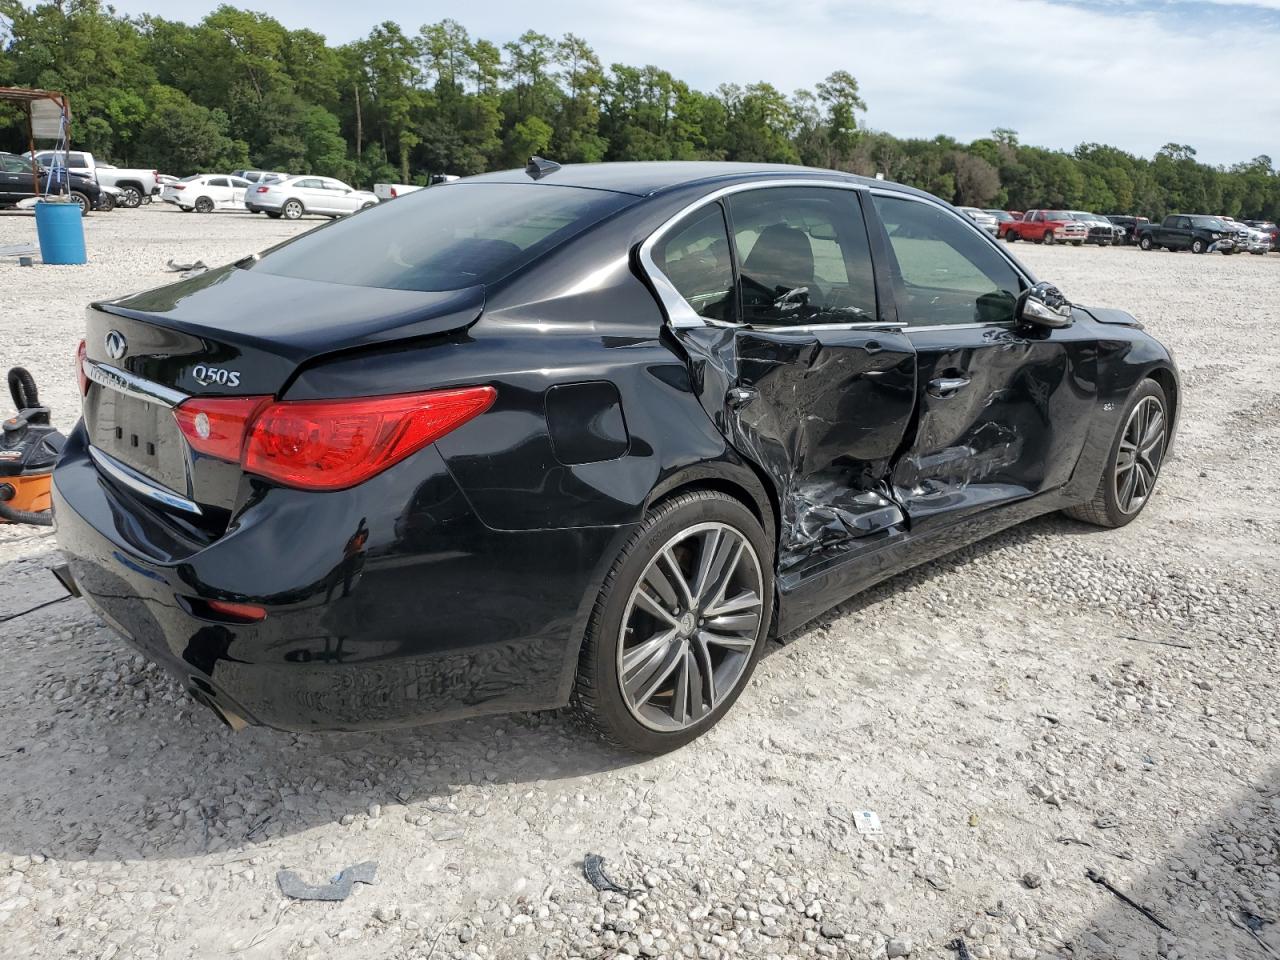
587	434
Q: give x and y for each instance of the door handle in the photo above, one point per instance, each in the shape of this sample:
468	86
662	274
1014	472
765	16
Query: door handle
945	387
740	396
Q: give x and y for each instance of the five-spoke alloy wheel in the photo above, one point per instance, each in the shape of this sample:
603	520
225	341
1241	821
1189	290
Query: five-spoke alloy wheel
1133	465
679	625
1140	454
690	626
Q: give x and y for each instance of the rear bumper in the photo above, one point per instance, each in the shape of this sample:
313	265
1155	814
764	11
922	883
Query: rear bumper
437	616
257	206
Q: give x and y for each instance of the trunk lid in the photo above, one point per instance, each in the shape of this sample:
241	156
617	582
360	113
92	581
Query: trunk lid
228	332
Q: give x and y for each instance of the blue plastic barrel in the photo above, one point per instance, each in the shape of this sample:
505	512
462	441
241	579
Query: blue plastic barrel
60	231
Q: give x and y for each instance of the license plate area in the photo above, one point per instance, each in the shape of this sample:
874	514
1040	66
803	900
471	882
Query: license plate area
139	433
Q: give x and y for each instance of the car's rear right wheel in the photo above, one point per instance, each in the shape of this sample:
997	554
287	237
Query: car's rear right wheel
679	624
130	197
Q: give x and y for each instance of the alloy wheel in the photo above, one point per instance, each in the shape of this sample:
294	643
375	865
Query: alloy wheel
131	197
292	210
690	626
1141	451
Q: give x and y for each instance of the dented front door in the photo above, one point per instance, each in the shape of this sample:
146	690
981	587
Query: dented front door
1002	410
810	382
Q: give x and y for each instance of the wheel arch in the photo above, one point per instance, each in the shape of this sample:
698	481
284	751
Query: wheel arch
1168	382
737	480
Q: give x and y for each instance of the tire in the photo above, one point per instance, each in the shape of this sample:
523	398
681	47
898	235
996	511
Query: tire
130	197
1144	243
368	206
1113	504
1049	237
83	201
1197	245
1077	243
106	203
1010	236
660	714
292	209
273	214
204	205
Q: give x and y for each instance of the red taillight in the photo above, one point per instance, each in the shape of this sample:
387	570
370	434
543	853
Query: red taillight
82	350
242	612
176	186
333	444
217	426
263	189
393	193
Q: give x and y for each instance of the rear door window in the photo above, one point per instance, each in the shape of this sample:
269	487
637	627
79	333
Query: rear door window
446	238
803	256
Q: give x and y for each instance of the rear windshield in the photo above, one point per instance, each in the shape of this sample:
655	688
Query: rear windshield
444	238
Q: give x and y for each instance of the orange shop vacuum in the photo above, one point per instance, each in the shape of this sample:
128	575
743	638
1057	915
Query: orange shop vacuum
29	447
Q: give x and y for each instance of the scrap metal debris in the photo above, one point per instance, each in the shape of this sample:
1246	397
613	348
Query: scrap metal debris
195	268
961	948
1099	879
593	870
339	888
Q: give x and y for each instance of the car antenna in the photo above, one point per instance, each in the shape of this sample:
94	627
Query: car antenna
538	167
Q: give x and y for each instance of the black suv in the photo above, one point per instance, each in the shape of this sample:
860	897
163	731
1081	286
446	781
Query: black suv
1130	225
18	182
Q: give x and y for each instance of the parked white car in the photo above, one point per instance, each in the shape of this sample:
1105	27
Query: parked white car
983	219
135	185
206	192
389	191
293	197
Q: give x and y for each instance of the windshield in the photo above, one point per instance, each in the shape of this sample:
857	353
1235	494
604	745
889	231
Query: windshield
446	238
1210	223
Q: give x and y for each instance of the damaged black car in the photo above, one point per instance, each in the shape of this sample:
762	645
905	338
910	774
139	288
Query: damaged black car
583	435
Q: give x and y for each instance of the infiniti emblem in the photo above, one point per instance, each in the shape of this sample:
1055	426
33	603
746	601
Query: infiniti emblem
116	345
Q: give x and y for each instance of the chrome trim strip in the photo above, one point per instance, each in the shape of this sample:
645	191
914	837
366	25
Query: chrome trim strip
679	314
114	378
139	484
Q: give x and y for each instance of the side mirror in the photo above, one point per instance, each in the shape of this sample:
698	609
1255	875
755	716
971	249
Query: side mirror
1043	305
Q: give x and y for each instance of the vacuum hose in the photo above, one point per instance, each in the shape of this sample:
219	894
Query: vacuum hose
22	387
43	518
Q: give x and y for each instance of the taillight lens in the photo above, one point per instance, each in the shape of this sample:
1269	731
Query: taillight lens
325	444
176	186
217	426
334	444
263	189
82	350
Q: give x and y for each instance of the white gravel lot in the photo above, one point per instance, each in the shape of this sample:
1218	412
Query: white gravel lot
1054	699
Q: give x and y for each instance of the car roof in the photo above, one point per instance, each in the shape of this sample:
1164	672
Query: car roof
647	177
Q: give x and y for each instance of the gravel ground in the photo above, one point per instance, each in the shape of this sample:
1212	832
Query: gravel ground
1054	699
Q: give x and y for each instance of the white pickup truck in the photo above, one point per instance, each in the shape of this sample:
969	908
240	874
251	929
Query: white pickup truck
134	185
389	191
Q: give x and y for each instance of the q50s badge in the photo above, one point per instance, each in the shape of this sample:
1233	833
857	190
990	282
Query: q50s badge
207	376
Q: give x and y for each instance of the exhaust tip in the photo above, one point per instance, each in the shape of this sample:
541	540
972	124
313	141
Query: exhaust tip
232	720
63	573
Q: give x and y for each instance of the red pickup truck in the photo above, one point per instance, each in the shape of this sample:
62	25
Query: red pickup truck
1045	226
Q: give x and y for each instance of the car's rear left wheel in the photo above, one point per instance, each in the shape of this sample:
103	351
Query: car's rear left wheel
679	624
292	209
204	205
130	197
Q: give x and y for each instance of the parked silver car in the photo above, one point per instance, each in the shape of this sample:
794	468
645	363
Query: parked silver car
293	197
983	219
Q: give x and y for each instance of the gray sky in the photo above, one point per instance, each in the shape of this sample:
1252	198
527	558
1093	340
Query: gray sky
1133	73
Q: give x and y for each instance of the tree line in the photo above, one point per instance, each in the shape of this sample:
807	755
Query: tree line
238	89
